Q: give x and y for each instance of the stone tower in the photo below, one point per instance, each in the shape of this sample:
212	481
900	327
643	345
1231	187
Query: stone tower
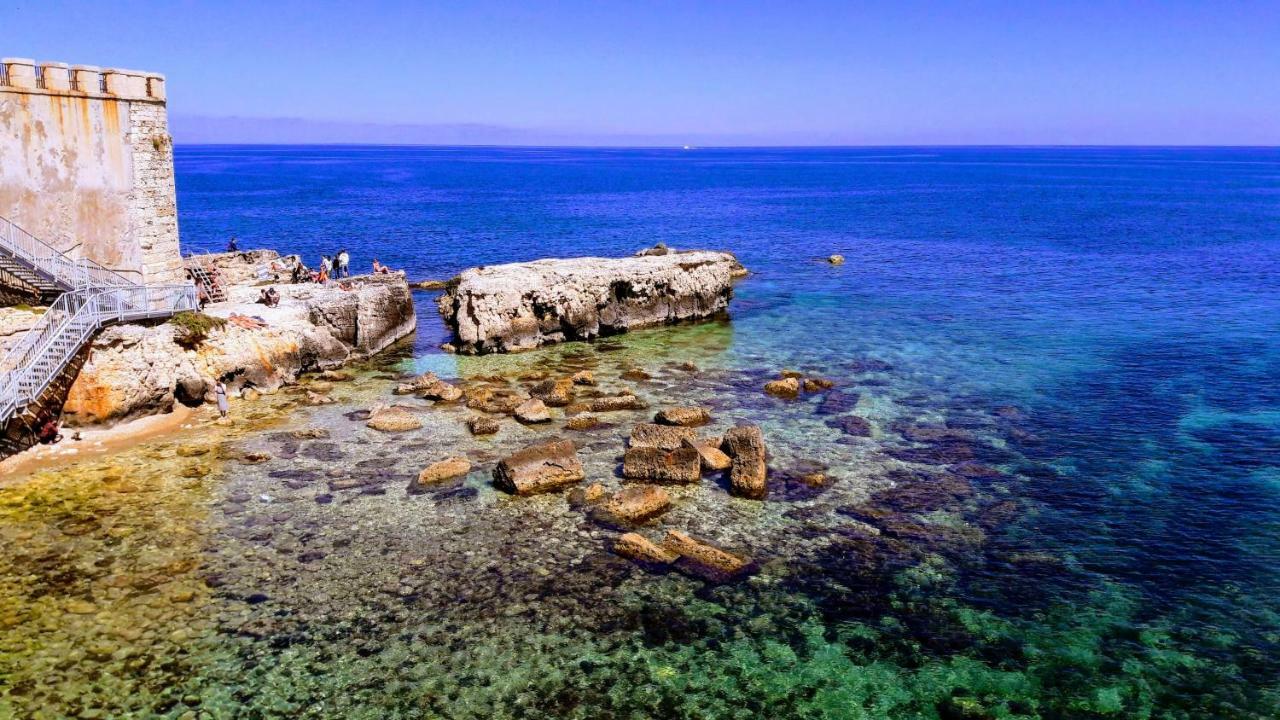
86	165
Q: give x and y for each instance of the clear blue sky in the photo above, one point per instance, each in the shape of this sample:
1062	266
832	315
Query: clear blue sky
710	73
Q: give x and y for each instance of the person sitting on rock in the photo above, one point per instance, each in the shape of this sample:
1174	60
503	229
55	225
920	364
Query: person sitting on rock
379	268
232	246
322	277
48	433
269	297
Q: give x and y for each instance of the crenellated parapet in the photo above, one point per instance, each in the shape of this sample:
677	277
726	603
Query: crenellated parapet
54	78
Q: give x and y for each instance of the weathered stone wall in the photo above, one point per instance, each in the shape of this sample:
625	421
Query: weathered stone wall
86	165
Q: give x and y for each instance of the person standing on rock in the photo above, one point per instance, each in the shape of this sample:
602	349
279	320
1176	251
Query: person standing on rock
220	392
232	246
344	263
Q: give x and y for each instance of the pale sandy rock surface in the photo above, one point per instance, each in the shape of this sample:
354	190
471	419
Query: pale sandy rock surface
519	306
14	322
247	266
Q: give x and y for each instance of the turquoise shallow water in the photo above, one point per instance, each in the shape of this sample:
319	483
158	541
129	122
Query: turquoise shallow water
1093	332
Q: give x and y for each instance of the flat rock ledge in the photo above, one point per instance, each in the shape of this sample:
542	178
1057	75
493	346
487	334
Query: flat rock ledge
521	306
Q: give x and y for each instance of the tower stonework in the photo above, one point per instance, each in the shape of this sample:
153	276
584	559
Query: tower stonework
86	165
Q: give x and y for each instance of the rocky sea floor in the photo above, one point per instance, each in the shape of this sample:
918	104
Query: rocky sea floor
287	566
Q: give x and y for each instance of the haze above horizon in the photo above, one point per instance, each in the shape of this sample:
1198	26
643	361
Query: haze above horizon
615	74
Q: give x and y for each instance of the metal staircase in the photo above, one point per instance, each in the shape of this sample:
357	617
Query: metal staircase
89	296
207	279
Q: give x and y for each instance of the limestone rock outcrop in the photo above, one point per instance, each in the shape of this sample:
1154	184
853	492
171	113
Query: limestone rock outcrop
135	370
519	306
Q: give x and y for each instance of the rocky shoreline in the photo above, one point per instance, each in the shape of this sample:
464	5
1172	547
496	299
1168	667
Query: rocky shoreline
134	370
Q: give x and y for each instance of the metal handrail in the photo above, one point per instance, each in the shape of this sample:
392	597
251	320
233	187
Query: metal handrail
70	273
94	296
48	346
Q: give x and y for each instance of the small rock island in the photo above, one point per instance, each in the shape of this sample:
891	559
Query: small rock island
521	306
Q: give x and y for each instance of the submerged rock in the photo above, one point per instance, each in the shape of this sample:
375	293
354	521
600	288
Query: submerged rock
393	419
442	391
785	388
703	560
431	387
928	434
636	504
748	475
494	400
335	376
836	402
556	393
539	468
683	416
851	425
584	377
817	384
447	469
639	548
586	495
836	259
481	425
519	306
615	403
533	411
582	422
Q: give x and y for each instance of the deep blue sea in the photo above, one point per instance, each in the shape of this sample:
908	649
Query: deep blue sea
1122	305
1045	485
